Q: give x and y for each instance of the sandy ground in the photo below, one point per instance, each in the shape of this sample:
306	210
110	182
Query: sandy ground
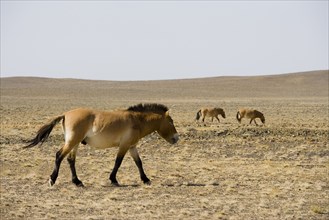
217	170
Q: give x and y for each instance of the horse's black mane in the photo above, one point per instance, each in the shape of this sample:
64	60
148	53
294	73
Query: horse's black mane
148	107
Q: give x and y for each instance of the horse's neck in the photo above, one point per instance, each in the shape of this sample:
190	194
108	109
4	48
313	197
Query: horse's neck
151	123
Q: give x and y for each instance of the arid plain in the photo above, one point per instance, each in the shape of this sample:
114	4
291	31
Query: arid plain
217	170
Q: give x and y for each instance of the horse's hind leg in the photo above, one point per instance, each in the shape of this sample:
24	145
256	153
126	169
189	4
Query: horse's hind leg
58	161
134	154
71	159
60	155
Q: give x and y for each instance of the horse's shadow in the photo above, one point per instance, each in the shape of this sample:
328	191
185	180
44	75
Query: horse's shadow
122	186
189	184
162	184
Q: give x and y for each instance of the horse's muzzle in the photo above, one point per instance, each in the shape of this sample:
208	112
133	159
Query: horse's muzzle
174	139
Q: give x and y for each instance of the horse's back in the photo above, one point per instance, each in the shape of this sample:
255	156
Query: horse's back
212	112
84	119
249	113
80	117
204	110
207	111
79	112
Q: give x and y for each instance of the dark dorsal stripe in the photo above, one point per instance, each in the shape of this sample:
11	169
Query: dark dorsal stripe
149	107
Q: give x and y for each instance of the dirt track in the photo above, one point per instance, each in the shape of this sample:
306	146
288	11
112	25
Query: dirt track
217	170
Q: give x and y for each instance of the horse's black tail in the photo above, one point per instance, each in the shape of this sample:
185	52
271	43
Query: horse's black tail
238	116
44	132
198	115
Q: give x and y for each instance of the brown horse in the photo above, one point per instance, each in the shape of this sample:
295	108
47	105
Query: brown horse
210	112
101	129
250	113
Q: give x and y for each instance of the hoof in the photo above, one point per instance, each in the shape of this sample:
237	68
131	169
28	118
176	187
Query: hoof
77	182
80	185
115	184
51	183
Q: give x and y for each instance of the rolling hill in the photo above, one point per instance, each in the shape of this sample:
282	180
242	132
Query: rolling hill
293	85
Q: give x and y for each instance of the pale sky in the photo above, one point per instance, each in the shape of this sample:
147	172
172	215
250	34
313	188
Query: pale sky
147	40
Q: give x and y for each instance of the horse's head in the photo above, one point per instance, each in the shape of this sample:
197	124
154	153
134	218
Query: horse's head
167	129
262	118
221	112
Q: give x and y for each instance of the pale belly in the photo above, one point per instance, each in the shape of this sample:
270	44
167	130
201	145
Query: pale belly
108	139
102	141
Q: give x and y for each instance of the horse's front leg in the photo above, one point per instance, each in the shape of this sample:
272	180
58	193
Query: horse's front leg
254	119
255	122
217	118
121	154
134	154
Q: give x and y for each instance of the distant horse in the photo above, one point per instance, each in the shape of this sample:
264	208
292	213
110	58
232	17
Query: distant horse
102	129
250	113
210	112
